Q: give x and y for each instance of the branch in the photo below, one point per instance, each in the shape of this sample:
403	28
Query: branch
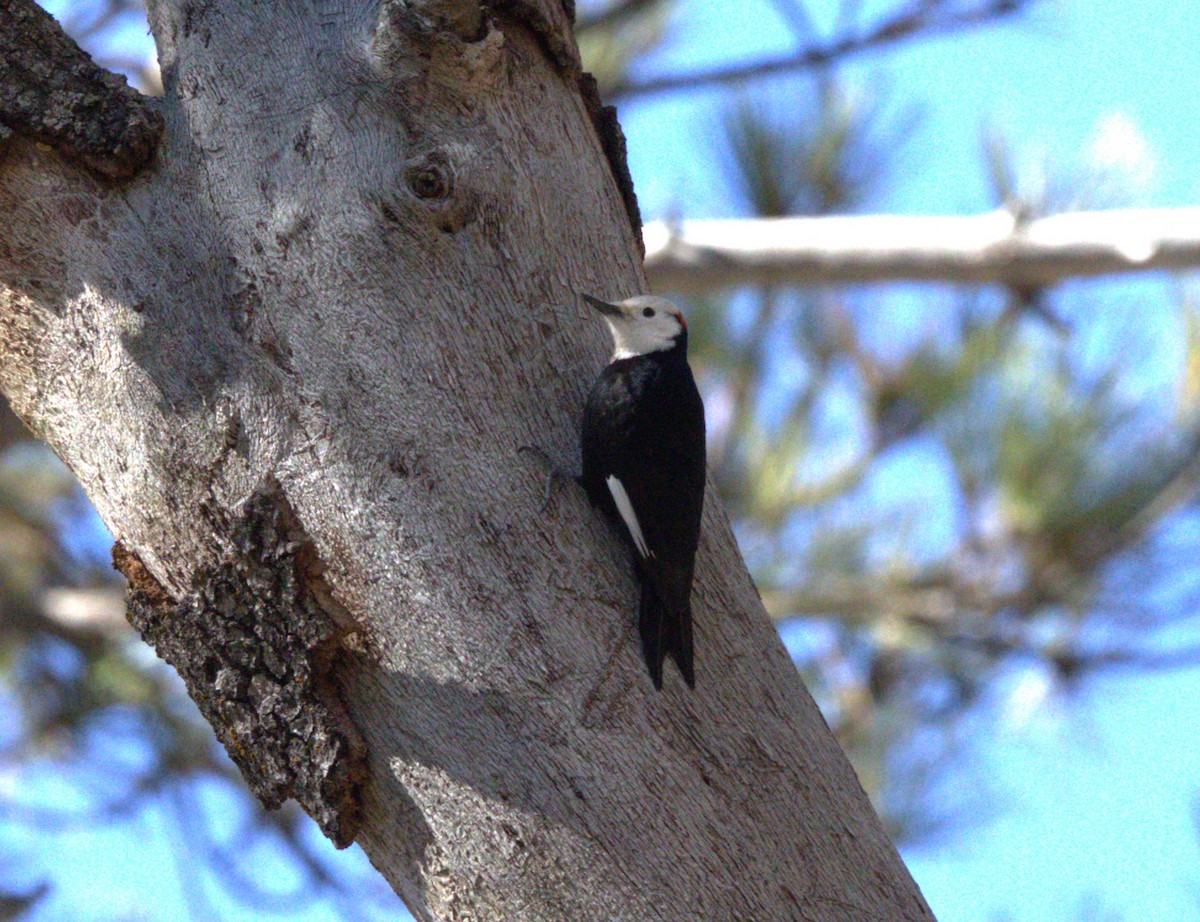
12	430
52	91
611	16
1071	661
990	248
904	26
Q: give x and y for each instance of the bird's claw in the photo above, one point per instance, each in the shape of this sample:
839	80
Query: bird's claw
554	472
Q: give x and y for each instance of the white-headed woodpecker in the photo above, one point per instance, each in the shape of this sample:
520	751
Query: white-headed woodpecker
644	463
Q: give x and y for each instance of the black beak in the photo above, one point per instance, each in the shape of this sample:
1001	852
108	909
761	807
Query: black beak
602	306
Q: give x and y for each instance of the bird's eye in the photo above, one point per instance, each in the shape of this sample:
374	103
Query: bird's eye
648	312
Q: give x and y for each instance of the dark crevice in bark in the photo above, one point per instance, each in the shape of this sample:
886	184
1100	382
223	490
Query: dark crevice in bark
612	140
462	17
256	641
50	90
451	23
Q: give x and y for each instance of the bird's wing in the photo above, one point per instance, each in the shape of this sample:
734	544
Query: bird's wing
643	459
661	527
628	516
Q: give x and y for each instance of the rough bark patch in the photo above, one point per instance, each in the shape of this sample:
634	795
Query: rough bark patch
255	648
52	91
550	21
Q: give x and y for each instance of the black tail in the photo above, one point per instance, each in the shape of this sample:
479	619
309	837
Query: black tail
665	634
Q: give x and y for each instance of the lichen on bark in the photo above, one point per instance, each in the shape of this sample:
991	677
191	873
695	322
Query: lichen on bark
255	647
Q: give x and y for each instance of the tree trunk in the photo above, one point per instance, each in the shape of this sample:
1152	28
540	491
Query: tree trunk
292	361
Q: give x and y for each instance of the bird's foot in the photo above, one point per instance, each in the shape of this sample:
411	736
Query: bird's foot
554	472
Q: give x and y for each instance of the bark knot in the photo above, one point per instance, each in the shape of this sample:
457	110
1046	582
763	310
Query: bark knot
432	178
255	642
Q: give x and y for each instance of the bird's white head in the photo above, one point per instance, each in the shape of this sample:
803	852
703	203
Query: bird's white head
642	324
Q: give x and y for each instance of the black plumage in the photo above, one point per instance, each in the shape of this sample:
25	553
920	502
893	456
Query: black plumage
644	426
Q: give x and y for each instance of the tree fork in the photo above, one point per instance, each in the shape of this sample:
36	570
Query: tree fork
291	361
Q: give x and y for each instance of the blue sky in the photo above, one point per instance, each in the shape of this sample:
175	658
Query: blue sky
1048	81
1096	792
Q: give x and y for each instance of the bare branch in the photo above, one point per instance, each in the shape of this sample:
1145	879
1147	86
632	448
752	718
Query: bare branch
919	21
611	16
52	91
1071	661
99	610
993	248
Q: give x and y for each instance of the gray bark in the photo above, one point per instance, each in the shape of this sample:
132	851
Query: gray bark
292	362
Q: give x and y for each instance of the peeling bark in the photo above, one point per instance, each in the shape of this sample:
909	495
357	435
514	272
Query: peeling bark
612	140
292	361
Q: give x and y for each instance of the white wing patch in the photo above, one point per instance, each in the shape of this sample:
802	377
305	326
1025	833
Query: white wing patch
625	507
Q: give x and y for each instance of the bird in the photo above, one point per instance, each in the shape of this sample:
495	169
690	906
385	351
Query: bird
643	450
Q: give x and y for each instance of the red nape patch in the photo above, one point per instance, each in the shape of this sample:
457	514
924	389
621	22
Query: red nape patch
679	317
